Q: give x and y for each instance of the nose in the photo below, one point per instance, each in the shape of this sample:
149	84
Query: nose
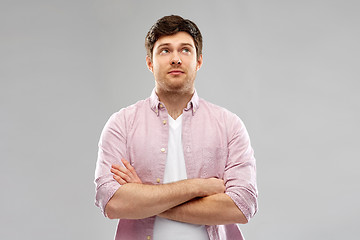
175	60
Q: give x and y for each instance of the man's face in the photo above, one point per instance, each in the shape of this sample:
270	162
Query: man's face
174	63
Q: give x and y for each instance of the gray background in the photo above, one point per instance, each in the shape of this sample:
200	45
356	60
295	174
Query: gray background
289	69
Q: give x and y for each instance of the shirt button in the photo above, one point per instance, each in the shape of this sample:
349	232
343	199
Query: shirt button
162	150
164	122
148	237
188	149
158	180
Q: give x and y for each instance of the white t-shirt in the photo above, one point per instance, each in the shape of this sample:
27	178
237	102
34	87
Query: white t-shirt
175	170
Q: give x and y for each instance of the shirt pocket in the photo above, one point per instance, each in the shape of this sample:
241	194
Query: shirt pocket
213	162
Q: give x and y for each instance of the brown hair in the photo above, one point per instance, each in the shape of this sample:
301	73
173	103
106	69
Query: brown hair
170	25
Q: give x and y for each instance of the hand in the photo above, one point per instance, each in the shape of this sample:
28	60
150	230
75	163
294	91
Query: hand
212	186
125	174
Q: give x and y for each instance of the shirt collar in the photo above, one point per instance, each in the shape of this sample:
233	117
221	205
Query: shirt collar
156	105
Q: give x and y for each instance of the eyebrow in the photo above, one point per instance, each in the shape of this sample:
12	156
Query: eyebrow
168	44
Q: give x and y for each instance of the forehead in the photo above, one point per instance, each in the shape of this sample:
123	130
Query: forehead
178	38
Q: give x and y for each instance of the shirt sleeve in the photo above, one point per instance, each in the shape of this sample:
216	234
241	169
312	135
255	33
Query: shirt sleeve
240	169
112	148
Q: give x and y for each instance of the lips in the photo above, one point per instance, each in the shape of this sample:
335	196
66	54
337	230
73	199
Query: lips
176	72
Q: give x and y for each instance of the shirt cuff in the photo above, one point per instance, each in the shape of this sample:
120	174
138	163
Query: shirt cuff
104	193
245	202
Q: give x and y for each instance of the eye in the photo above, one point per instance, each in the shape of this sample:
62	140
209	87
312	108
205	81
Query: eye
185	50
163	51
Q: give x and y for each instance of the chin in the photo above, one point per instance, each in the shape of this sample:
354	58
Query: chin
181	89
176	85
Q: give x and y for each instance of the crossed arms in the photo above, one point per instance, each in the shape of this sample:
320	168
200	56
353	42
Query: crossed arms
196	201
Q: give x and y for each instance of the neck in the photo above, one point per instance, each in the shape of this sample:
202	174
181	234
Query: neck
175	102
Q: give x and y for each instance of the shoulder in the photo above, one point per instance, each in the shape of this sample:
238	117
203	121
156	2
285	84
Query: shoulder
217	112
132	109
127	114
222	118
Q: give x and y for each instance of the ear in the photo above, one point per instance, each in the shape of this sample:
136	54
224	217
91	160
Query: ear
199	62
149	63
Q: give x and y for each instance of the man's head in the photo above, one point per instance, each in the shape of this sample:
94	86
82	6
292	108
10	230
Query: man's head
174	54
170	25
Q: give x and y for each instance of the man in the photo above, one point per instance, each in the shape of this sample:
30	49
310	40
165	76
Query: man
175	166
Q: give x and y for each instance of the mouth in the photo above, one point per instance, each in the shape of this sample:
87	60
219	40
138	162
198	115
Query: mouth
175	72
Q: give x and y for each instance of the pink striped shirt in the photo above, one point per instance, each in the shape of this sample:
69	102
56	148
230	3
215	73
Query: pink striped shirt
215	144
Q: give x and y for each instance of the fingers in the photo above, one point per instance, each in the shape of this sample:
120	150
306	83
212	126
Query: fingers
121	170
122	173
119	180
126	174
127	164
125	170
213	186
134	175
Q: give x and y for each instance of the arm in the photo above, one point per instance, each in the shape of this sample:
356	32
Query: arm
216	209
119	200
137	201
210	210
239	203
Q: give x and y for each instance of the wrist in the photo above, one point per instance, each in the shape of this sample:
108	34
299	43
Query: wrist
197	187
